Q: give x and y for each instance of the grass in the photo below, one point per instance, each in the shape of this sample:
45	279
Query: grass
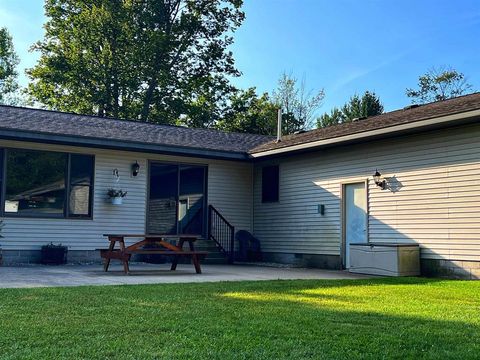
350	319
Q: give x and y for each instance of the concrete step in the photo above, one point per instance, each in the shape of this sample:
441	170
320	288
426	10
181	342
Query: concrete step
206	245
215	256
211	248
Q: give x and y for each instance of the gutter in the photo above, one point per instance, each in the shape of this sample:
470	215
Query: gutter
373	134
72	140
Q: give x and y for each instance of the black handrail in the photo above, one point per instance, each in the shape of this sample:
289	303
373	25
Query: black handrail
222	232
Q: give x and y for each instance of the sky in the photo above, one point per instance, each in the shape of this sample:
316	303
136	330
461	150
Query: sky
343	46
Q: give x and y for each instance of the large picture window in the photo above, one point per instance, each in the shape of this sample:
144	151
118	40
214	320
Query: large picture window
48	184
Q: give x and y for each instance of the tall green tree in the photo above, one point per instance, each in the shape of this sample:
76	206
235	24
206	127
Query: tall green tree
8	70
248	113
369	104
439	84
299	105
335	117
159	61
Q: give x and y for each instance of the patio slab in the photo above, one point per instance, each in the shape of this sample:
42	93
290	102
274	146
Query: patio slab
80	275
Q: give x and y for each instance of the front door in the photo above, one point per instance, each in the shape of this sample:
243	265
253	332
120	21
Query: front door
355	217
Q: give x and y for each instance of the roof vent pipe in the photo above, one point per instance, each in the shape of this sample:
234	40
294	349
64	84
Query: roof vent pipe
279	125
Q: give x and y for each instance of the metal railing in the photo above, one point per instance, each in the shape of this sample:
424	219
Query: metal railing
222	232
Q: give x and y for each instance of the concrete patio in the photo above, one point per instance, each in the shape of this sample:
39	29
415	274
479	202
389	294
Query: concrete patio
79	275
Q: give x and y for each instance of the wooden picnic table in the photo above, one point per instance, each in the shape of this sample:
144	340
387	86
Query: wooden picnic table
124	253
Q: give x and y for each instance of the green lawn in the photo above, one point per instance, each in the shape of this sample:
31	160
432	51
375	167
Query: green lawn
381	318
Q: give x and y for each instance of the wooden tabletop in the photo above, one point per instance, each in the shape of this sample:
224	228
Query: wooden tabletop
153	236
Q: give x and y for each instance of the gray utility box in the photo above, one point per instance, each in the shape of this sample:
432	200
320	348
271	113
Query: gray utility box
388	259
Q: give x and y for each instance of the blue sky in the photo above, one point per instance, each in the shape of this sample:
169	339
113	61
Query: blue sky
342	46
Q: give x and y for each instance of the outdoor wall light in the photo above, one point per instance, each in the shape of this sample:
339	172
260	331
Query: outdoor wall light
135	168
379	181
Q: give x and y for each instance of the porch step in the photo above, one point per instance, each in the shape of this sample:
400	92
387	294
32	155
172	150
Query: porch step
214	256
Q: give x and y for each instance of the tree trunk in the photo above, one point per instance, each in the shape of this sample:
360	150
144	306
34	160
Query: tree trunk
148	99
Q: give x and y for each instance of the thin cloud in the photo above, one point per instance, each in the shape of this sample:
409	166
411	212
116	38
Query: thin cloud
360	73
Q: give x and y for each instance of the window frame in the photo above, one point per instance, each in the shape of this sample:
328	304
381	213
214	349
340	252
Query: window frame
66	202
68	187
268	201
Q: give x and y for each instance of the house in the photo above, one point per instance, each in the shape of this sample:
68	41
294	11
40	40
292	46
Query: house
305	197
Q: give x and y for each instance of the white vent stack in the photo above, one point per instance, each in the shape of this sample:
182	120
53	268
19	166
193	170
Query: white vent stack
279	125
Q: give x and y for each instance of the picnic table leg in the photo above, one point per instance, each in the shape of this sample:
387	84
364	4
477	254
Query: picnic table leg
195	260
175	258
106	261
125	259
174	263
196	263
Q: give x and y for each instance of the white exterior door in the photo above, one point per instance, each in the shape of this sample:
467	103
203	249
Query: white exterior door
355	216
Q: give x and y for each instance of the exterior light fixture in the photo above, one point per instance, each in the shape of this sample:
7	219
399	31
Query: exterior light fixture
135	169
379	181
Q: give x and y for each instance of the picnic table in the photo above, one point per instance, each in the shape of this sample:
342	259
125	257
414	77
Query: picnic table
162	247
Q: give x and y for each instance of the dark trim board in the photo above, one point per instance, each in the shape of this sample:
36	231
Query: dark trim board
71	140
456	269
329	262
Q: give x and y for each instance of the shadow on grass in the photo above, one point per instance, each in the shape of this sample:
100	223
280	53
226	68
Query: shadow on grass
306	319
364	318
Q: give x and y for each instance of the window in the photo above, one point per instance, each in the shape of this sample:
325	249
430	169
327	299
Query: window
270	183
81	185
38	184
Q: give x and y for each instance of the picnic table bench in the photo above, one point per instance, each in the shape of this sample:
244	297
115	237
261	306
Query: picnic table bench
124	253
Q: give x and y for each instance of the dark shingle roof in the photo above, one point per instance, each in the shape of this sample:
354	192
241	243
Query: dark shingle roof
59	123
151	137
432	110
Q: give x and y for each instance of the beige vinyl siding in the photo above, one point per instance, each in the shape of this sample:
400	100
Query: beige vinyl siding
435	202
229	190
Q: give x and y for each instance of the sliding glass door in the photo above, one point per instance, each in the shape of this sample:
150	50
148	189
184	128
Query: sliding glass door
162	203
177	198
191	199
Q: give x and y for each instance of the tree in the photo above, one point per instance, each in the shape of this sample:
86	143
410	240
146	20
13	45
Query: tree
356	108
367	105
8	70
439	84
157	61
298	104
335	117
248	113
